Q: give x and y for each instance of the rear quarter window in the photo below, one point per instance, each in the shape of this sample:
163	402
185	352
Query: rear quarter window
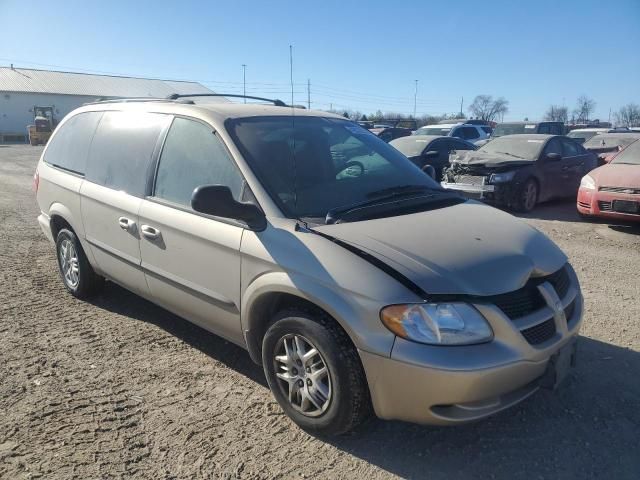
122	149
69	147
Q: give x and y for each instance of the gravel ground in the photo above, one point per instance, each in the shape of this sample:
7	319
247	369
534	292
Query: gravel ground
119	388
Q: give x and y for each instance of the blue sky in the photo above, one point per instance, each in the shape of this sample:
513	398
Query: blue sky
358	55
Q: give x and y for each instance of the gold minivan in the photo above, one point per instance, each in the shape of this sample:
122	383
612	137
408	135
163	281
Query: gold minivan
358	282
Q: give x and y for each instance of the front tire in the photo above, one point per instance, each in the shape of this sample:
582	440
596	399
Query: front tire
78	276
315	373
527	196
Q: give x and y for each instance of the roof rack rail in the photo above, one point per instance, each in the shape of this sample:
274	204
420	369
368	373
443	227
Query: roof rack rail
132	100
276	102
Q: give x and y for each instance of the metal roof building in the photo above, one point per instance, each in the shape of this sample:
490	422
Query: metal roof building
21	89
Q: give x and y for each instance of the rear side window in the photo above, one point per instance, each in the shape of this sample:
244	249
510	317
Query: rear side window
544	129
122	148
193	156
69	147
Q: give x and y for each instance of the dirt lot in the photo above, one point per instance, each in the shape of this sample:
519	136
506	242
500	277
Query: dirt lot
120	388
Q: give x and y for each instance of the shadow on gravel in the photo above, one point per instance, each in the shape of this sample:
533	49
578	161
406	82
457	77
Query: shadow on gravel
582	430
585	429
118	300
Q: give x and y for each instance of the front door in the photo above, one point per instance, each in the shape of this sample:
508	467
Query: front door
574	157
192	261
554	173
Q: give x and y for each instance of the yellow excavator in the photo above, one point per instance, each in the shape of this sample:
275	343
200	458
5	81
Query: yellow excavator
43	124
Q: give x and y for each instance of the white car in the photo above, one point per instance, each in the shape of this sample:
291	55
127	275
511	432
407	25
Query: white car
470	133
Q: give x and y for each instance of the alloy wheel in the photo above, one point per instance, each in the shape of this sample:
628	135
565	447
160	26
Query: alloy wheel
69	263
302	375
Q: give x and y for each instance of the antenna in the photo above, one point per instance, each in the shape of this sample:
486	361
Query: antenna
293	134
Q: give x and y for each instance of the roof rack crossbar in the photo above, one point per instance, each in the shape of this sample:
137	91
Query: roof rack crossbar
276	102
130	100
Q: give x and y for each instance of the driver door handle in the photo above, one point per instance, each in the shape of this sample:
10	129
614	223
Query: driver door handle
126	224
565	168
150	232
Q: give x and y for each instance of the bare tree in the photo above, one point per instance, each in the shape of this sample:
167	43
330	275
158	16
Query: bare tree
556	113
628	116
485	107
584	108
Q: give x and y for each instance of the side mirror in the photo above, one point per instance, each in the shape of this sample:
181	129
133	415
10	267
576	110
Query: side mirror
431	154
554	156
217	200
429	170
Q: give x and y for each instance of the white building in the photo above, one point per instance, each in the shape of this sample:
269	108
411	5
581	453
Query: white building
21	89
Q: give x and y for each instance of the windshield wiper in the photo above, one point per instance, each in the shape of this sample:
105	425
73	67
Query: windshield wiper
337	213
512	155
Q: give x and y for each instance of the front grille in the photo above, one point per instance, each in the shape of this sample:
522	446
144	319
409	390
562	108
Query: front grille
560	281
528	299
540	333
519	303
604	206
584	204
628	190
470	179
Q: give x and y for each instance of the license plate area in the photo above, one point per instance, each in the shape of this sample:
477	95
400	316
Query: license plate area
626	206
559	366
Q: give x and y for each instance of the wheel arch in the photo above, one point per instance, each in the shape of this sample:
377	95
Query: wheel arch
267	296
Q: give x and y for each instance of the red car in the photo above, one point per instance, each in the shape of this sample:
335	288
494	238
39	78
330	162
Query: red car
613	190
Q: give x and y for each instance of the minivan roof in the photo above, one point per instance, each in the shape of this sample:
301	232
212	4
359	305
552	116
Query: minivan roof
222	111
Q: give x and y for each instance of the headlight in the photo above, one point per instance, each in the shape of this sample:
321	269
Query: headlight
437	323
588	183
501	177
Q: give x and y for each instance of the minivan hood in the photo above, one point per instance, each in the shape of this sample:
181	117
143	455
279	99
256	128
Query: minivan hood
469	248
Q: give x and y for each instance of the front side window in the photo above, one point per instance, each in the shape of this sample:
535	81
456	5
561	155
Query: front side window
553	146
310	165
193	156
122	148
69	146
570	148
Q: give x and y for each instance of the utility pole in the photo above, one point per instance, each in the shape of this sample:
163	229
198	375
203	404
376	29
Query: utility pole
461	104
309	93
244	81
415	99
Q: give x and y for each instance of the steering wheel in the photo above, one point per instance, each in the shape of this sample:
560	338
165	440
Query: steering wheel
350	166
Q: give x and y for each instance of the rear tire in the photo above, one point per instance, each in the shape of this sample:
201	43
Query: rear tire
527	196
78	276
323	404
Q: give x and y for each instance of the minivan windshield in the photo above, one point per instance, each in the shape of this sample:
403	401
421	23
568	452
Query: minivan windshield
313	165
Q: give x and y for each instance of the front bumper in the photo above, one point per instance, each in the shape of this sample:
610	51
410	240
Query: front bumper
442	385
600	204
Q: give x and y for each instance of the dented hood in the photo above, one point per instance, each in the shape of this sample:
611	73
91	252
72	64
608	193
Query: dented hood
471	157
468	248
